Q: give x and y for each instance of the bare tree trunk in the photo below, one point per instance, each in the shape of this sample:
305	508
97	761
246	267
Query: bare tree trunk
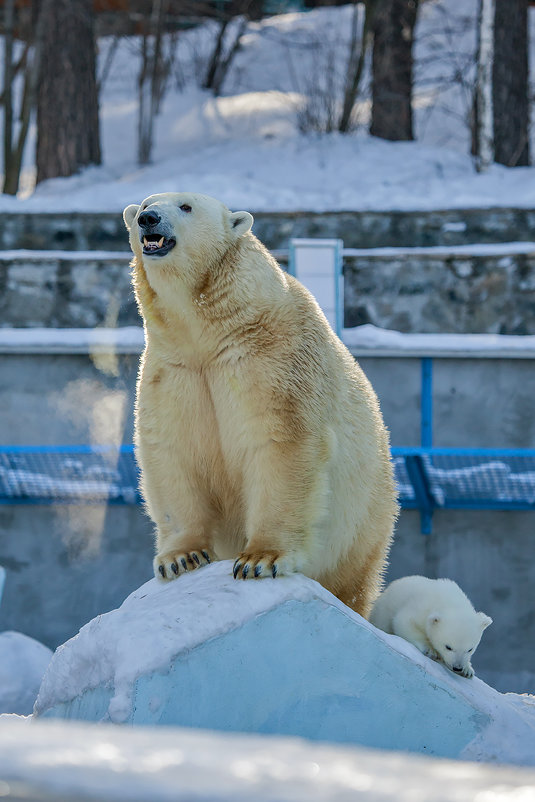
219	64
510	88
483	111
357	56
15	140
7	94
150	80
67	103
392	69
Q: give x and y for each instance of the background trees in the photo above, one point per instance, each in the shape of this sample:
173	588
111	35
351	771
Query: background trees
501	101
67	103
510	89
392	68
49	71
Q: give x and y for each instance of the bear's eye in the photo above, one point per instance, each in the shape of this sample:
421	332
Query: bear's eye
185	207
470	651
449	648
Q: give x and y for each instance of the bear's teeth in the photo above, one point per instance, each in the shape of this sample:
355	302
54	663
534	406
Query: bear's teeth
151	245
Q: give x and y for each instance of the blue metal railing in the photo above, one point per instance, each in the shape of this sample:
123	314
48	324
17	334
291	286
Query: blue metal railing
428	478
68	474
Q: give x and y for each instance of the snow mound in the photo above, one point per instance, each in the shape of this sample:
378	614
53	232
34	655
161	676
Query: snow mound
277	656
23	661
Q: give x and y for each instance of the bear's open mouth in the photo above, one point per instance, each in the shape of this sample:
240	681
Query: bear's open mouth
156	244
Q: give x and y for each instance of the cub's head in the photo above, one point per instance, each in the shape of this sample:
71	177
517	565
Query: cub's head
178	227
455	635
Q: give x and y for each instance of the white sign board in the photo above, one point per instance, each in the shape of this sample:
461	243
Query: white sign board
317	263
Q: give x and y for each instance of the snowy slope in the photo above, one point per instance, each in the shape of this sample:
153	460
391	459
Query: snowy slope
246	147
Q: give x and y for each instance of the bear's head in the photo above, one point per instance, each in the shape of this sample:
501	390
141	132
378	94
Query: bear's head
455	635
182	228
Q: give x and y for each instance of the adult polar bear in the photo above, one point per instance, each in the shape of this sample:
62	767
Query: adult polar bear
258	435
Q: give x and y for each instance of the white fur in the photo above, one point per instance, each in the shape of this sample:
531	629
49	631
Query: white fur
258	435
436	616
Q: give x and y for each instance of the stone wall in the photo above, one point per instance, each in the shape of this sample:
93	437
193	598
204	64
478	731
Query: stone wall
65	290
442	291
106	231
408	290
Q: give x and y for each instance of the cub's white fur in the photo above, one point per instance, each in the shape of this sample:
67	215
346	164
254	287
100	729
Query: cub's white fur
258	436
436	616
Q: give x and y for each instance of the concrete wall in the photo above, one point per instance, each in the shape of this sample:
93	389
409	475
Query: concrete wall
67	564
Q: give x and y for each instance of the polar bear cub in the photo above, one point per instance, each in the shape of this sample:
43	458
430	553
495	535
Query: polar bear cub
436	616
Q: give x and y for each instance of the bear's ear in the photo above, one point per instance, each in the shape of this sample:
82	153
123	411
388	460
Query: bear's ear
484	620
129	215
240	223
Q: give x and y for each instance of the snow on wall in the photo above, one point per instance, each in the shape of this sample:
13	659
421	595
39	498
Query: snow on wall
277	656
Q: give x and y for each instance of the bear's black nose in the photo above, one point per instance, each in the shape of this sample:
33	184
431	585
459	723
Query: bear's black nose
148	219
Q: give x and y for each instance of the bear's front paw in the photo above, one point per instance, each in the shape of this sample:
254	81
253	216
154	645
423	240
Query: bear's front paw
467	672
260	564
170	564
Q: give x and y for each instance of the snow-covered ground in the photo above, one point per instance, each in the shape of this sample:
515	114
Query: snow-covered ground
247	149
75	761
23	661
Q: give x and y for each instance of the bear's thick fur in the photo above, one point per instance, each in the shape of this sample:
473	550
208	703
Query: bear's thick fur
436	616
258	436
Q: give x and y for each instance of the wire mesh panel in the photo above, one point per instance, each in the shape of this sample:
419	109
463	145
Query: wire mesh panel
491	480
463	478
405	490
75	474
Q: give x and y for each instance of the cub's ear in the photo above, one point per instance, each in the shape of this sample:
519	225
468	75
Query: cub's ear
240	223
129	215
484	620
433	619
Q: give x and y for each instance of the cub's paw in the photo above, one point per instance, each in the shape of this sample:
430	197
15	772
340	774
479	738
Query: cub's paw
260	564
467	672
170	564
432	654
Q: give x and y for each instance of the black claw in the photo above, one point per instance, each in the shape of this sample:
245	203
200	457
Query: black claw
161	569
194	556
237	566
257	570
184	563
245	571
206	556
174	568
274	570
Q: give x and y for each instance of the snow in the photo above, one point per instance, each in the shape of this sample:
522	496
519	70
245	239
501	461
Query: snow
370	340
23	661
162	620
246	147
67	760
143	618
472	249
22	254
366	340
124	340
